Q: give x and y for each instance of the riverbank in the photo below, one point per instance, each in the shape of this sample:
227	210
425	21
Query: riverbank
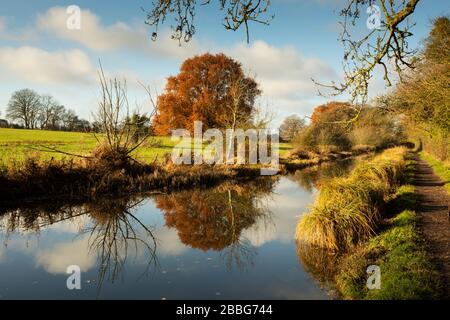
408	271
371	224
348	210
35	177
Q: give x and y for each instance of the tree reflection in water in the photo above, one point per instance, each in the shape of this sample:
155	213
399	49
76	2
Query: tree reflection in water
112	230
214	219
211	219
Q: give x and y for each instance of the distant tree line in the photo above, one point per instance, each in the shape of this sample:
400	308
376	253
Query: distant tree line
330	129
29	110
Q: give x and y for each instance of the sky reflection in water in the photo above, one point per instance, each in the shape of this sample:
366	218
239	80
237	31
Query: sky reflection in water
228	242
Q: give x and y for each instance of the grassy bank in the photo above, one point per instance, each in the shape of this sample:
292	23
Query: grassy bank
440	168
26	172
75	179
348	210
19	144
407	271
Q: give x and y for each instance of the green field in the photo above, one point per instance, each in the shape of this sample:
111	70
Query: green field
17	144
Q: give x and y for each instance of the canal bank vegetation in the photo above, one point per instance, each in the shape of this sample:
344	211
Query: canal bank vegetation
332	135
368	219
110	162
348	210
422	97
399	249
331	130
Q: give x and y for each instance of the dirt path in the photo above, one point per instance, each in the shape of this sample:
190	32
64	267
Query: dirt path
433	209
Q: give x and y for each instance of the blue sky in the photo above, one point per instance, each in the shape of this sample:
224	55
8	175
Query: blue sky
37	50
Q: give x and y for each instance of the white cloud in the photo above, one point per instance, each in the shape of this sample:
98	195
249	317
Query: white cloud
169	243
114	37
287	202
284	74
45	67
55	260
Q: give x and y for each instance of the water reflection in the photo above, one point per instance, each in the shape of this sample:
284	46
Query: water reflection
320	263
107	236
115	230
108	231
312	178
214	219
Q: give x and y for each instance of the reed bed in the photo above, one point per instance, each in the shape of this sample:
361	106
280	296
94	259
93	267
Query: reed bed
348	210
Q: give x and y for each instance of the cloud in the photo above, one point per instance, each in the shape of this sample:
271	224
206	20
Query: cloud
284	73
56	260
45	67
114	37
169	243
286	202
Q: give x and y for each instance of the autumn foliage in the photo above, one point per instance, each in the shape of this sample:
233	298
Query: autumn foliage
327	108
204	90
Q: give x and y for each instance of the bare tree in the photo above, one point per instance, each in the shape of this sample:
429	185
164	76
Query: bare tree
116	232
385	43
51	112
290	127
113	111
69	119
237	13
242	92
24	106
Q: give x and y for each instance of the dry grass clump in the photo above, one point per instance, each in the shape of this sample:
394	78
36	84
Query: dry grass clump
347	210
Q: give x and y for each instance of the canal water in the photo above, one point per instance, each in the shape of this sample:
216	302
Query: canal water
232	241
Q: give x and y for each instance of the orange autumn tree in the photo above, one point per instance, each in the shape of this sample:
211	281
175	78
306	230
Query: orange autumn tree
209	88
329	108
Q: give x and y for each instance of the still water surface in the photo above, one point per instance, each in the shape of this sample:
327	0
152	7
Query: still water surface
233	241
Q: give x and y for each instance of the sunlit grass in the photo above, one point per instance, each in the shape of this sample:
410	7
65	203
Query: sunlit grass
347	210
407	271
17	145
440	168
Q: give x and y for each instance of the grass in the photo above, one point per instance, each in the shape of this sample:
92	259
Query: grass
18	144
347	210
407	271
27	173
440	168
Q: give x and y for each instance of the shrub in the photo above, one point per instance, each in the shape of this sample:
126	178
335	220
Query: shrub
323	138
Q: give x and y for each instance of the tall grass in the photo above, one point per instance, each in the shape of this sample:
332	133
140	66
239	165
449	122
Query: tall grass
348	210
